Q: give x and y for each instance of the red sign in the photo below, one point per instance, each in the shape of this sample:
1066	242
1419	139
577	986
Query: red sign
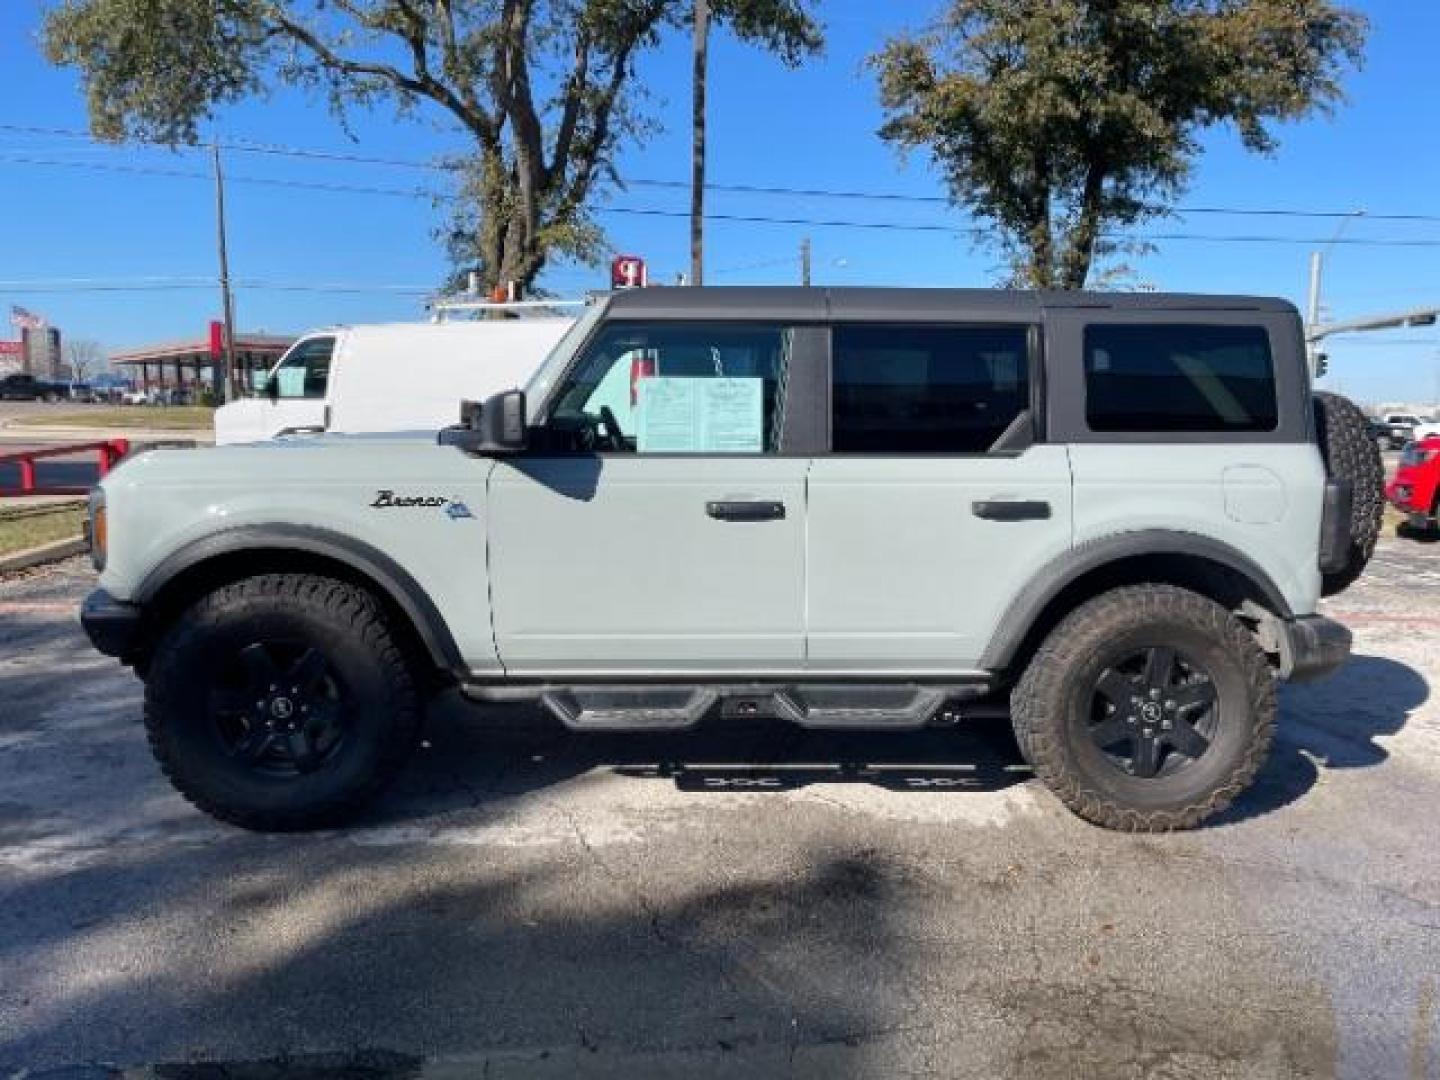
627	272
217	339
12	348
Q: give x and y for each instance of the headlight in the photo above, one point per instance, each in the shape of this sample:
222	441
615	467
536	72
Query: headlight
97	528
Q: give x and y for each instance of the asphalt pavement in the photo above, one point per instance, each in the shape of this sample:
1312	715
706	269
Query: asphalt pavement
748	900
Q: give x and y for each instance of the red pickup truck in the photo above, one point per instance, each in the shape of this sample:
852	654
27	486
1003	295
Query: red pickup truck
1416	483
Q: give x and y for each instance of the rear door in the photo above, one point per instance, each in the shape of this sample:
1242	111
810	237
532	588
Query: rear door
935	503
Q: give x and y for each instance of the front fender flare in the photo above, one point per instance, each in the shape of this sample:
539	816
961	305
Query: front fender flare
399	587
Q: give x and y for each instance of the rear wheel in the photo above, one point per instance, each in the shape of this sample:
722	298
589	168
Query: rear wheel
281	702
1147	709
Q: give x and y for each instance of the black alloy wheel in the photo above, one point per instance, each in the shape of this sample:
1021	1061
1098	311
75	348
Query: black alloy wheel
1153	712
279	708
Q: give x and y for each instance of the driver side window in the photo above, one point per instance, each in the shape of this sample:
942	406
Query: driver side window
305	370
679	388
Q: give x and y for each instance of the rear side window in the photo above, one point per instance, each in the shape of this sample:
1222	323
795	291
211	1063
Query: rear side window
926	390
1179	377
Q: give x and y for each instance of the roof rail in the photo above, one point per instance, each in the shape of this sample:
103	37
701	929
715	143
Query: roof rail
443	307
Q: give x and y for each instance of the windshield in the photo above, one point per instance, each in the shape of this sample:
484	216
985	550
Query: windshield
545	375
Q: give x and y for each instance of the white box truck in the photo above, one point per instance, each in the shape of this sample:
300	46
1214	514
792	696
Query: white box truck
389	377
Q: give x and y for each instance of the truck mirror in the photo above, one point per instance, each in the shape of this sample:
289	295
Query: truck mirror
272	387
497	427
503	421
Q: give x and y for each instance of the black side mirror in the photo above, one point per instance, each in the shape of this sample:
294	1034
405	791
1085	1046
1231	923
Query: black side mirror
272	386
497	427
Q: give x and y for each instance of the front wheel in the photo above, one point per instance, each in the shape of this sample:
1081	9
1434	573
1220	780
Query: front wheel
1149	708
281	702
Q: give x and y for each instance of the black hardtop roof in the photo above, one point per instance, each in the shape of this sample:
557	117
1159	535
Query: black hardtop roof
804	304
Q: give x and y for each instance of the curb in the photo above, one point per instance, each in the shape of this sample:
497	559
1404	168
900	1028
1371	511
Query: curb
45	553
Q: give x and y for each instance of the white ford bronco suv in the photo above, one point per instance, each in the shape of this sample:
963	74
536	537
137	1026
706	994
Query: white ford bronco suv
842	508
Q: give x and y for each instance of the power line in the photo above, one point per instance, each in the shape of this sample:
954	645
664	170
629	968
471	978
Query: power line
744	219
280	150
244	146
94	285
189	174
764	219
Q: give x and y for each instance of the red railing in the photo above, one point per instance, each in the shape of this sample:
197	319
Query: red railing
107	455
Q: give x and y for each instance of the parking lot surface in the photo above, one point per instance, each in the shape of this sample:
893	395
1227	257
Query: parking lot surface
750	900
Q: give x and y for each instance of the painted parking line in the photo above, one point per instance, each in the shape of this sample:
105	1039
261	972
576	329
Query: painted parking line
37	607
1377	618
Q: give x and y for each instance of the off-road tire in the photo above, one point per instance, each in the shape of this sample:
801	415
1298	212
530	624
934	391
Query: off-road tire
1351	454
1047	702
351	627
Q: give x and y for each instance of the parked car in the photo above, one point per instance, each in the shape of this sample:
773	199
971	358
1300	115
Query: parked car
388	377
22	387
842	508
1399	428
1424	430
108	387
1415	490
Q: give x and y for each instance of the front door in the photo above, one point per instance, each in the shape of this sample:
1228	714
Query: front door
656	528
934	506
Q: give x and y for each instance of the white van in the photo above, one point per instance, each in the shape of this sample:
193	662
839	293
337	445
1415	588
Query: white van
389	377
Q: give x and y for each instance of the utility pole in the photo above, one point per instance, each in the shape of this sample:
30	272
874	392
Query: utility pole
1317	268
805	261
697	161
1312	310
225	384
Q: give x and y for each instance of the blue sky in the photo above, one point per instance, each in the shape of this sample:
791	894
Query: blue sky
812	128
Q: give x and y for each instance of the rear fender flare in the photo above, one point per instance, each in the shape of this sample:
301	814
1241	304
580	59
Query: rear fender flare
1031	603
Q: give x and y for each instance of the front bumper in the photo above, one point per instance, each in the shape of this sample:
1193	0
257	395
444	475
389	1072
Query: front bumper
112	626
1312	647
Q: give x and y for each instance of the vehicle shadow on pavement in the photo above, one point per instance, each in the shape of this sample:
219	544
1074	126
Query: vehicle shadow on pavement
476	755
1332	724
473	755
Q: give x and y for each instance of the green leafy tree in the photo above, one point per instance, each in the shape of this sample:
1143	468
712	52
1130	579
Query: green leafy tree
544	90
1062	121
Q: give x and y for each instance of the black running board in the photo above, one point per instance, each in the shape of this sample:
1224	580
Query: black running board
658	707
630	708
861	708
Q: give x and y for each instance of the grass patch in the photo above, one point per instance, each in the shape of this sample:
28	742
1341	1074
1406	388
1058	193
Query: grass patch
153	417
24	527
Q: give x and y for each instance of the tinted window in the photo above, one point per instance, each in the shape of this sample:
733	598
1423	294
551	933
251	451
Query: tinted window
677	388
1179	378
926	390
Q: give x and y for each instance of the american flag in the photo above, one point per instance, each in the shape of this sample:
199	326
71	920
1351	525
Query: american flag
22	319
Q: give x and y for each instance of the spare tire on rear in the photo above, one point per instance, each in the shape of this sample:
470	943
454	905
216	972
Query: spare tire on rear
1350	453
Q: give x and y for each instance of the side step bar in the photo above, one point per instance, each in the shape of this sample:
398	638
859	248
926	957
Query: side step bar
636	708
870	708
831	707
